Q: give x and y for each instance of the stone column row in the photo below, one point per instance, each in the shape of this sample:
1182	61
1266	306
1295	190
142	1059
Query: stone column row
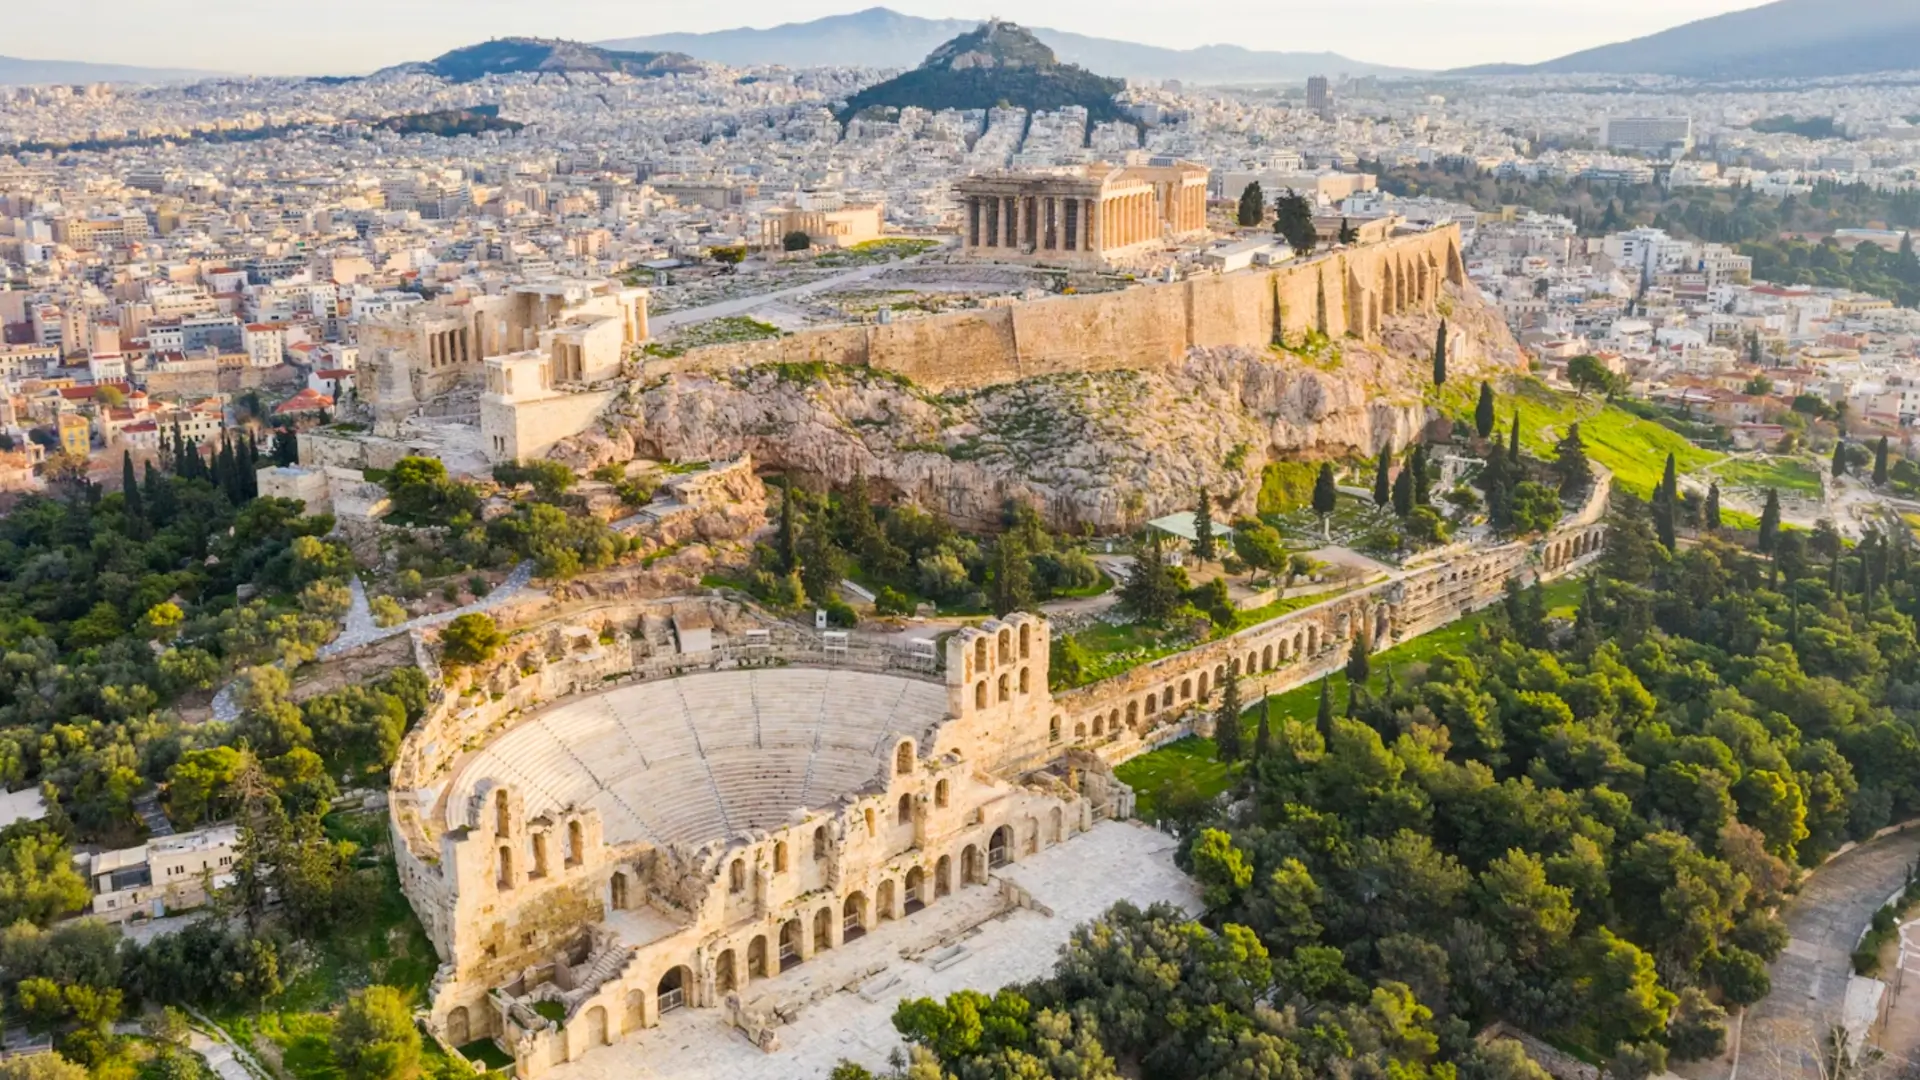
1030	223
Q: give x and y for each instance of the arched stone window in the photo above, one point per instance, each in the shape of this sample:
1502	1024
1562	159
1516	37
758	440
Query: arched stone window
737	876
780	856
1079	731
904	814
1023	680
823	930
1113	721
757	957
940	794
1006	645
980	656
726	979
1186	689
502	822
980	694
618	888
1099	726
1166	699
1133	713
576	844
1153	704
505	878
1006	692
539	855
1026	640
820	842
1053	730
903	759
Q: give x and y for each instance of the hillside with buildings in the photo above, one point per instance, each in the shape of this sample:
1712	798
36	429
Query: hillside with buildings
997	64
516	55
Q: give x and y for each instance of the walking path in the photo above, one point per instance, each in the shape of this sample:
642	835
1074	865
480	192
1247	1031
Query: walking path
358	629
741	304
1780	1036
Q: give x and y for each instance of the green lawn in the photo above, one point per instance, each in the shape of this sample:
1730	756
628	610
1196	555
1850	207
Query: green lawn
1790	475
1194	759
1635	449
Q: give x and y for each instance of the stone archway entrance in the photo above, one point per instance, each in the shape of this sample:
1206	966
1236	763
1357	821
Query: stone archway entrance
943	876
790	937
916	890
1000	847
673	990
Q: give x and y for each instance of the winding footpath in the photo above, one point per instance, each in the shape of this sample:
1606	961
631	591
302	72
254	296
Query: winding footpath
1779	1036
358	629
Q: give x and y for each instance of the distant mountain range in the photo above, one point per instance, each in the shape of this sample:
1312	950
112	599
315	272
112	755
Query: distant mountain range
507	56
883	38
15	71
1784	39
994	63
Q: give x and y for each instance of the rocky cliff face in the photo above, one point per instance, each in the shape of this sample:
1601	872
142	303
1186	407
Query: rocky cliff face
1106	449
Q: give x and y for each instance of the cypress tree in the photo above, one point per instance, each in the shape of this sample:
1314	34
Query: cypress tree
1570	461
1325	494
1324	721
1440	355
1253	205
1383	480
1226	726
1263	739
1483	411
1839	458
1358	665
1513	448
1203	545
130	487
1422	484
1663	519
786	544
1670	479
1713	507
1880	462
1403	493
1769	523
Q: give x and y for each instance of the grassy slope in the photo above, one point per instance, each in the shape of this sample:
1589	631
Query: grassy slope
1194	757
1635	449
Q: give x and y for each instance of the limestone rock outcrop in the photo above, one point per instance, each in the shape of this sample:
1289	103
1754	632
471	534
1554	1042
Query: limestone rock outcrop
1106	449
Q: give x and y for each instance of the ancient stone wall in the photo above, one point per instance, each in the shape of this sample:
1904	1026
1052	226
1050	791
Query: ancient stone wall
1147	326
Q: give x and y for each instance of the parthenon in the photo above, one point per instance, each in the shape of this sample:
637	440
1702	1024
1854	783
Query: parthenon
1086	218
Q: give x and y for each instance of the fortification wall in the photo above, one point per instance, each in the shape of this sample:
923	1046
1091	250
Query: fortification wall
1147	326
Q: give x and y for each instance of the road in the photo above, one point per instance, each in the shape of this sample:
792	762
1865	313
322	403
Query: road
740	305
1777	1039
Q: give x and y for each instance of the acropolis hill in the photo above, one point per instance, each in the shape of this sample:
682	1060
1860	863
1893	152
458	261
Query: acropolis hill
1102	410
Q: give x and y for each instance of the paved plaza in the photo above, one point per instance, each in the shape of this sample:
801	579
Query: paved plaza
1077	881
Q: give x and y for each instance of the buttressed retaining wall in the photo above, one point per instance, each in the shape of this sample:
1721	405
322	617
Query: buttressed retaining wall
1345	292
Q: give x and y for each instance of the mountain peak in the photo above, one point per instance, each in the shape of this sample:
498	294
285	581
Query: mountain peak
995	43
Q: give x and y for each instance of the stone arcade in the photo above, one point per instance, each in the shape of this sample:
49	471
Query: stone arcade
605	829
625	852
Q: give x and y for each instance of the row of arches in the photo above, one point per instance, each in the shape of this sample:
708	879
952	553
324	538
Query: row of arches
804	935
1009	644
1558	553
535	846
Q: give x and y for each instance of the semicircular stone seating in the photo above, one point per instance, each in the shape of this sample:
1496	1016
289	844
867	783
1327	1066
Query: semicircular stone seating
710	756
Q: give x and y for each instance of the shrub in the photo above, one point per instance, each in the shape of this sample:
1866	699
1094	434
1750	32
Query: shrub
471	639
797	240
840	613
891	601
387	611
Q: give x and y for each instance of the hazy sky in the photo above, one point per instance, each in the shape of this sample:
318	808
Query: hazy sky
354	36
